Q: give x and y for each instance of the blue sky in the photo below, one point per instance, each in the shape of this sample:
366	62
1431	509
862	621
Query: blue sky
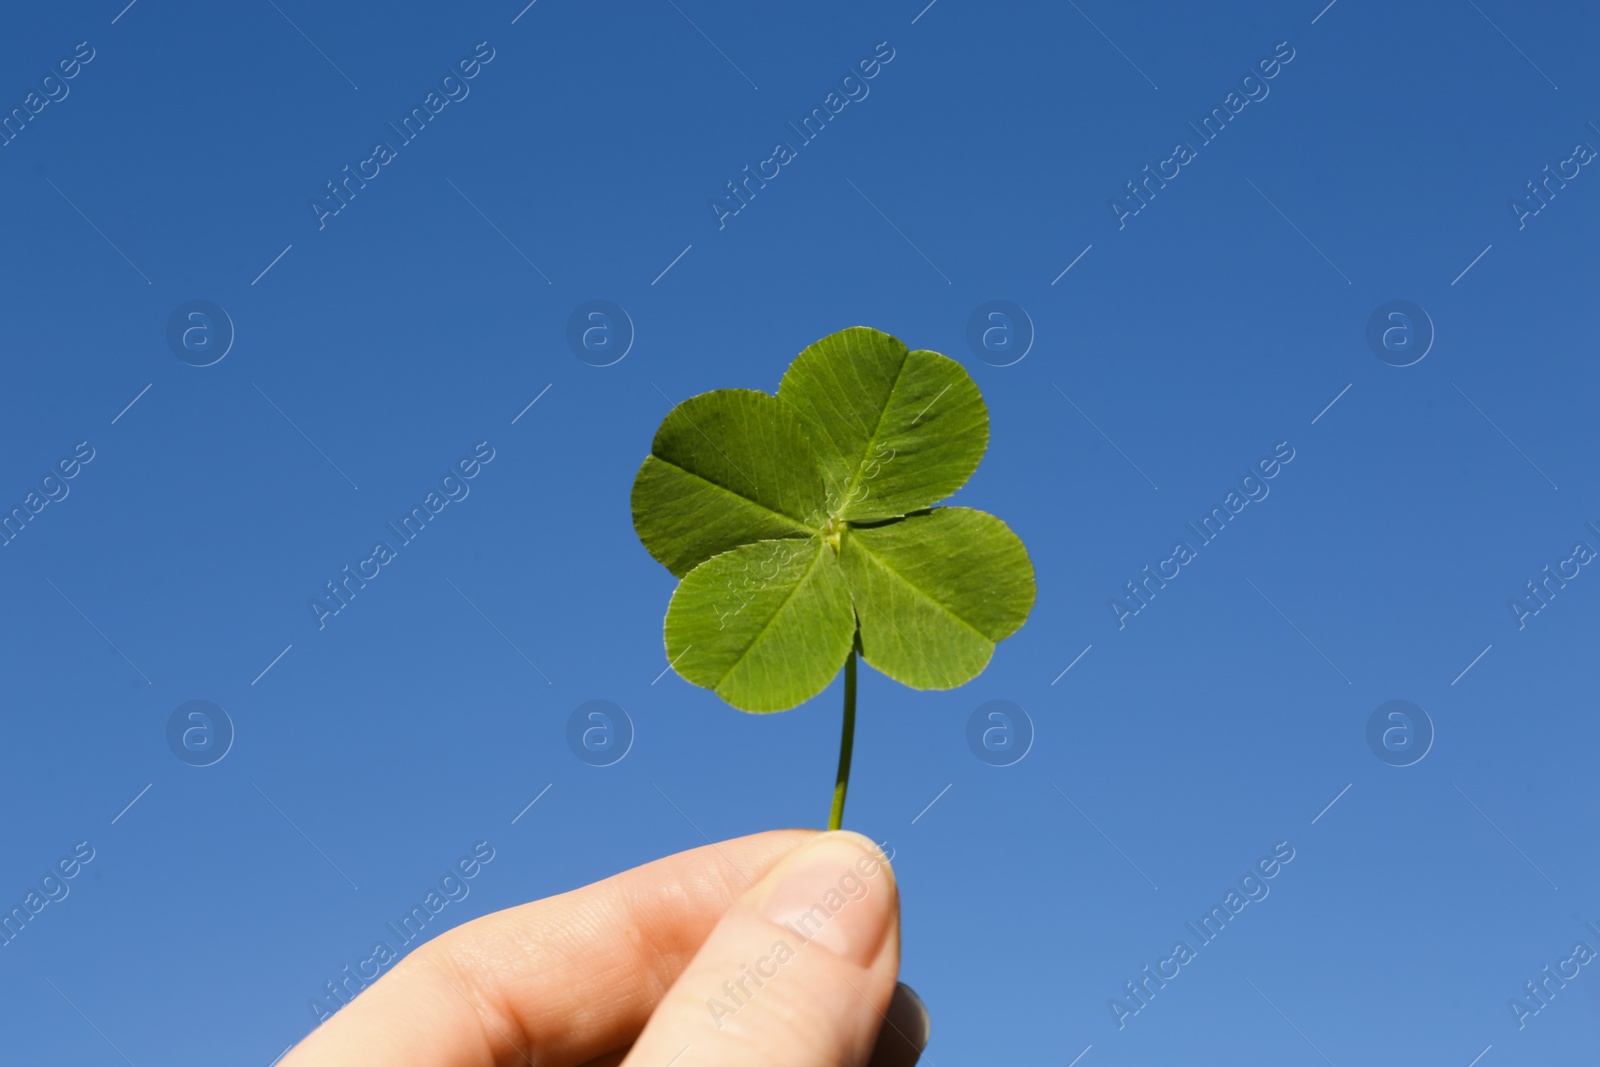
376	349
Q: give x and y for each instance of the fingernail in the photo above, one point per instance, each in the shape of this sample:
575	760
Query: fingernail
836	892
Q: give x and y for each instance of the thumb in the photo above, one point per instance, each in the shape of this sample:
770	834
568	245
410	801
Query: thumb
798	973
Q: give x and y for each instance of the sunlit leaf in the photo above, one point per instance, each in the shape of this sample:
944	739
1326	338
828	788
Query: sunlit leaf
766	625
935	591
894	430
727	467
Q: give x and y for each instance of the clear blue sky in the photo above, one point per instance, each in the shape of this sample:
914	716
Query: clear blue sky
378	346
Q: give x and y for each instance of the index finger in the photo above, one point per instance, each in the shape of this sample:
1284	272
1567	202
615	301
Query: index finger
557	982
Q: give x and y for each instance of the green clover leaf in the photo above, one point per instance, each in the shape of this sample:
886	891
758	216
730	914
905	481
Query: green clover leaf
803	529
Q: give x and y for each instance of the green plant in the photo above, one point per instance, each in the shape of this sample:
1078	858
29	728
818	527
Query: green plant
802	528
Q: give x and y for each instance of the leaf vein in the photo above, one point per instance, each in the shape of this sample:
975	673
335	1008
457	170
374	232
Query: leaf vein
872	441
798	523
914	587
759	634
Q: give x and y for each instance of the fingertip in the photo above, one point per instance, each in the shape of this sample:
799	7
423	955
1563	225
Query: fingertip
873	851
906	1028
832	891
799	973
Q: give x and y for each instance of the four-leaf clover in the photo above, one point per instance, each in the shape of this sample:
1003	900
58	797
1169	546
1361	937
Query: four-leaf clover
803	529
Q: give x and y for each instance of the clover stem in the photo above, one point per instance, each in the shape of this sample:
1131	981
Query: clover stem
846	743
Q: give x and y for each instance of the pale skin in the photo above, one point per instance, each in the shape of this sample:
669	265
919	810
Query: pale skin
639	970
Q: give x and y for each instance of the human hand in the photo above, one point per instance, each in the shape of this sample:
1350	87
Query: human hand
779	949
